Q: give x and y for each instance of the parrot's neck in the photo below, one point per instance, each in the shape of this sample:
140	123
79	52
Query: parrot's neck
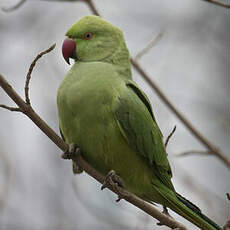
121	60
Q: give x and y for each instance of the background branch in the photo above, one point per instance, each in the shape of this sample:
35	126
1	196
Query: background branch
149	46
12	8
218	3
192	152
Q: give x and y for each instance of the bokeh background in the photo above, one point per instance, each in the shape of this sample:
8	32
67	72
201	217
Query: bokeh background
190	63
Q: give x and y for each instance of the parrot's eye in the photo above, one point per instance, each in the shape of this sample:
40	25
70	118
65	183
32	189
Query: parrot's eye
88	35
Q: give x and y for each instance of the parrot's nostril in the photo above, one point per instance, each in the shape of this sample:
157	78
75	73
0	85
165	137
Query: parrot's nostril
68	49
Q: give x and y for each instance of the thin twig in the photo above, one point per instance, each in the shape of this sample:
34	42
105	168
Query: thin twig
149	46
12	8
28	77
13	109
213	149
194	152
218	3
169	136
29	112
92	7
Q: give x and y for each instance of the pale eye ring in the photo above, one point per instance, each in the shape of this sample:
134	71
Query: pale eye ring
88	36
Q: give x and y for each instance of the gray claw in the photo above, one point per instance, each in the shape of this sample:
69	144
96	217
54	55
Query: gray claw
165	211
116	182
71	153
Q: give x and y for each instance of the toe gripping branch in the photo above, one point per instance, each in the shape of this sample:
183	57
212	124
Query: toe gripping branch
72	153
112	180
117	184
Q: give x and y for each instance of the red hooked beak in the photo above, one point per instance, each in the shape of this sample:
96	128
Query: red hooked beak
68	49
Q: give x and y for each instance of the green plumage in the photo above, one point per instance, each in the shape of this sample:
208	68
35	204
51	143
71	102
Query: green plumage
110	119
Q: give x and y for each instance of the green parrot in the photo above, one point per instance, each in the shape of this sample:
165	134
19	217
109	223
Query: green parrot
104	113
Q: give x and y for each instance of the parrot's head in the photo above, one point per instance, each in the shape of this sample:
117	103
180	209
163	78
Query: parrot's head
91	39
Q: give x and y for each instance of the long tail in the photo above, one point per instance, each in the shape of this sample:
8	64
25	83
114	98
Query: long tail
189	211
198	212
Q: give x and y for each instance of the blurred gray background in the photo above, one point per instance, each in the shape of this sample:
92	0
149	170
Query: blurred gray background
191	64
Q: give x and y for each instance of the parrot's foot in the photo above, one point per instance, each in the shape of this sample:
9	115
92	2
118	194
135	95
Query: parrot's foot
166	212
71	153
117	184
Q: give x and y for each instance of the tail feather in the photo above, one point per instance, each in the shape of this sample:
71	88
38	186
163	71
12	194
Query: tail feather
188	210
188	203
195	209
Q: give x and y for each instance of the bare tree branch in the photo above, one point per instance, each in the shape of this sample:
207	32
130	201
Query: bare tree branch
28	77
149	46
92	7
194	152
12	8
218	3
13	109
29	112
169	136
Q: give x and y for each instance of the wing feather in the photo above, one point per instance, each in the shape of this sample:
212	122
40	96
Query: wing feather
138	125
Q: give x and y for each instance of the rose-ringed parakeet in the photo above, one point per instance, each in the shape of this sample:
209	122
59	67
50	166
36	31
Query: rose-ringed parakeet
103	111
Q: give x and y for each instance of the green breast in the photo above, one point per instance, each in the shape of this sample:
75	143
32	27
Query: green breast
87	99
